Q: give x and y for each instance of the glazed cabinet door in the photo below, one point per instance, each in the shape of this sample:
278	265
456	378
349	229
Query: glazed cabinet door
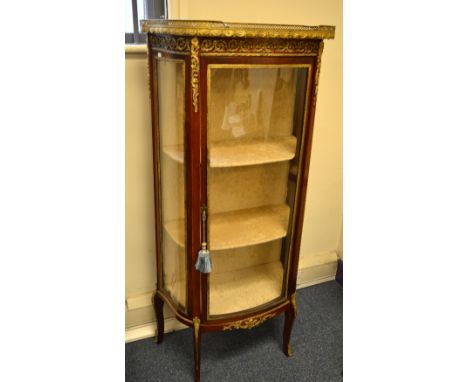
254	132
169	148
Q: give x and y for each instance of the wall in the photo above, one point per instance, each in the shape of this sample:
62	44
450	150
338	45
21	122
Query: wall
139	208
323	215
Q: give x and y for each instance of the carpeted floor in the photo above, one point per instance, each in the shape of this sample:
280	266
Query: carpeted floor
255	354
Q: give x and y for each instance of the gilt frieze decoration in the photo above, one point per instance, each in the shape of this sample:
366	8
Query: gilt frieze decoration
257	46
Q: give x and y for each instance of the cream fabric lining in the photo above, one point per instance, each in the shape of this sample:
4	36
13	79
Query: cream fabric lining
244	278
240	258
240	188
246	288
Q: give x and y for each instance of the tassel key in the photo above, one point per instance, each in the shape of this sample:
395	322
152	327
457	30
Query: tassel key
203	263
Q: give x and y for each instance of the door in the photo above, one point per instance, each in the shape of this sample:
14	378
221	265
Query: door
253	134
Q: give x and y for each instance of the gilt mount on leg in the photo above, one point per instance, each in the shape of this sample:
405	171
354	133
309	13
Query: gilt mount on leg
196	347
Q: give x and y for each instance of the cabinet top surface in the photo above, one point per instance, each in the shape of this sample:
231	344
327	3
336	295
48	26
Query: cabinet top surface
222	29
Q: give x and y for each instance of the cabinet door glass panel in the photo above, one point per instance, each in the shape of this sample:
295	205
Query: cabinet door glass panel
254	131
171	119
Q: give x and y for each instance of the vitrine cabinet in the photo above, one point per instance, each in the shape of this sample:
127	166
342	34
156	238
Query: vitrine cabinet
232	113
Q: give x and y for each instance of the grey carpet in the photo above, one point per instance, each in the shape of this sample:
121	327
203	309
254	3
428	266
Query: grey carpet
255	354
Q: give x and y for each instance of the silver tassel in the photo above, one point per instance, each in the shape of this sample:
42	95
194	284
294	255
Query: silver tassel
203	263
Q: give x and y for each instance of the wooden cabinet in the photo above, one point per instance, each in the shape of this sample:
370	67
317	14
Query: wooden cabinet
233	112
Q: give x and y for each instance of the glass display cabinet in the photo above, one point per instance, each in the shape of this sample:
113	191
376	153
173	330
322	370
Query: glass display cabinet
232	113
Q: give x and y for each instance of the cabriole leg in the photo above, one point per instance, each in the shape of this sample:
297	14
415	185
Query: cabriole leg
290	315
196	347
158	304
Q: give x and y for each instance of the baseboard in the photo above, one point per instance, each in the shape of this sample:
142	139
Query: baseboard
315	282
313	270
317	268
148	330
140	301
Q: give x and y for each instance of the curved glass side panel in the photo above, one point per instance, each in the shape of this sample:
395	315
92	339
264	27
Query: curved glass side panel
171	120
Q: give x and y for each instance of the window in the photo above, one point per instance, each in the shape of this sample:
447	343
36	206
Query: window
136	10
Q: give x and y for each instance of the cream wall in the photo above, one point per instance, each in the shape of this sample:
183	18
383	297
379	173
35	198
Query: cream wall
323	214
139	220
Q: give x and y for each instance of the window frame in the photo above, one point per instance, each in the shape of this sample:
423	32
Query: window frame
153	9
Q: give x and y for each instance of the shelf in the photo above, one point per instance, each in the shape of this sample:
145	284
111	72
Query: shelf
243	153
175	152
252	152
240	228
245	288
